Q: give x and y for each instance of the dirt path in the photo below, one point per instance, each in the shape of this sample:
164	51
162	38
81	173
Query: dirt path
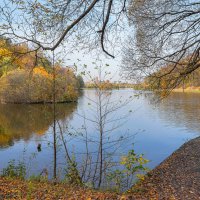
177	177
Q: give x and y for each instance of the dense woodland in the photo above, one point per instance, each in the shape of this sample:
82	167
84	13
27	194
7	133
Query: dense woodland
28	78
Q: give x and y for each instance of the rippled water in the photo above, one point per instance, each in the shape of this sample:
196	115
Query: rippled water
154	130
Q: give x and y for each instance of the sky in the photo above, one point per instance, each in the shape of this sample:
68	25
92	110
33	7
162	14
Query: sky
86	57
82	57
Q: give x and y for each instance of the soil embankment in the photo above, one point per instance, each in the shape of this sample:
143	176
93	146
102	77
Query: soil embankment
177	177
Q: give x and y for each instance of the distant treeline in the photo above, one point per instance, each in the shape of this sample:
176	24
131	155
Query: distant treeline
108	85
166	78
27	77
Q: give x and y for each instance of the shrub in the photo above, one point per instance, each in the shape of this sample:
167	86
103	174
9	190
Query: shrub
21	86
132	166
15	170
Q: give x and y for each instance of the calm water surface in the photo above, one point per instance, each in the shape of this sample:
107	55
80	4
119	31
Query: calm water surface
154	130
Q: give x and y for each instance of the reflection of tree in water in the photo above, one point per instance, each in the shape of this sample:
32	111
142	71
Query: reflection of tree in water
19	121
182	109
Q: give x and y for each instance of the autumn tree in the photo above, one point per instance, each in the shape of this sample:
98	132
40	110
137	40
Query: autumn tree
81	22
166	34
26	79
13	56
18	87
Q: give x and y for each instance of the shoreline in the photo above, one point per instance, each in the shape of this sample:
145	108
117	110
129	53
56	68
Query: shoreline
187	90
39	102
177	177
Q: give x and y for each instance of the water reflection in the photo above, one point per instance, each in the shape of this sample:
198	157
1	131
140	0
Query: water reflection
182	110
19	121
166	126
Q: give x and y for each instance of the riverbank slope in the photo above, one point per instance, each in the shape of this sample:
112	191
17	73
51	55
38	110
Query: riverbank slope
177	177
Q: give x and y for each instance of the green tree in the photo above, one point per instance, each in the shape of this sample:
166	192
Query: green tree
81	83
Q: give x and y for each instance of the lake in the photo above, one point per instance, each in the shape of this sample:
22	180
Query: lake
155	130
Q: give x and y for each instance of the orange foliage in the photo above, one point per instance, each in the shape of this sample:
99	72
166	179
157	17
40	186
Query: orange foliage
42	71
21	81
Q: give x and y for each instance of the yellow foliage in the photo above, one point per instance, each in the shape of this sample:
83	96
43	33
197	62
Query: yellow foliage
41	71
21	81
141	176
5	52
